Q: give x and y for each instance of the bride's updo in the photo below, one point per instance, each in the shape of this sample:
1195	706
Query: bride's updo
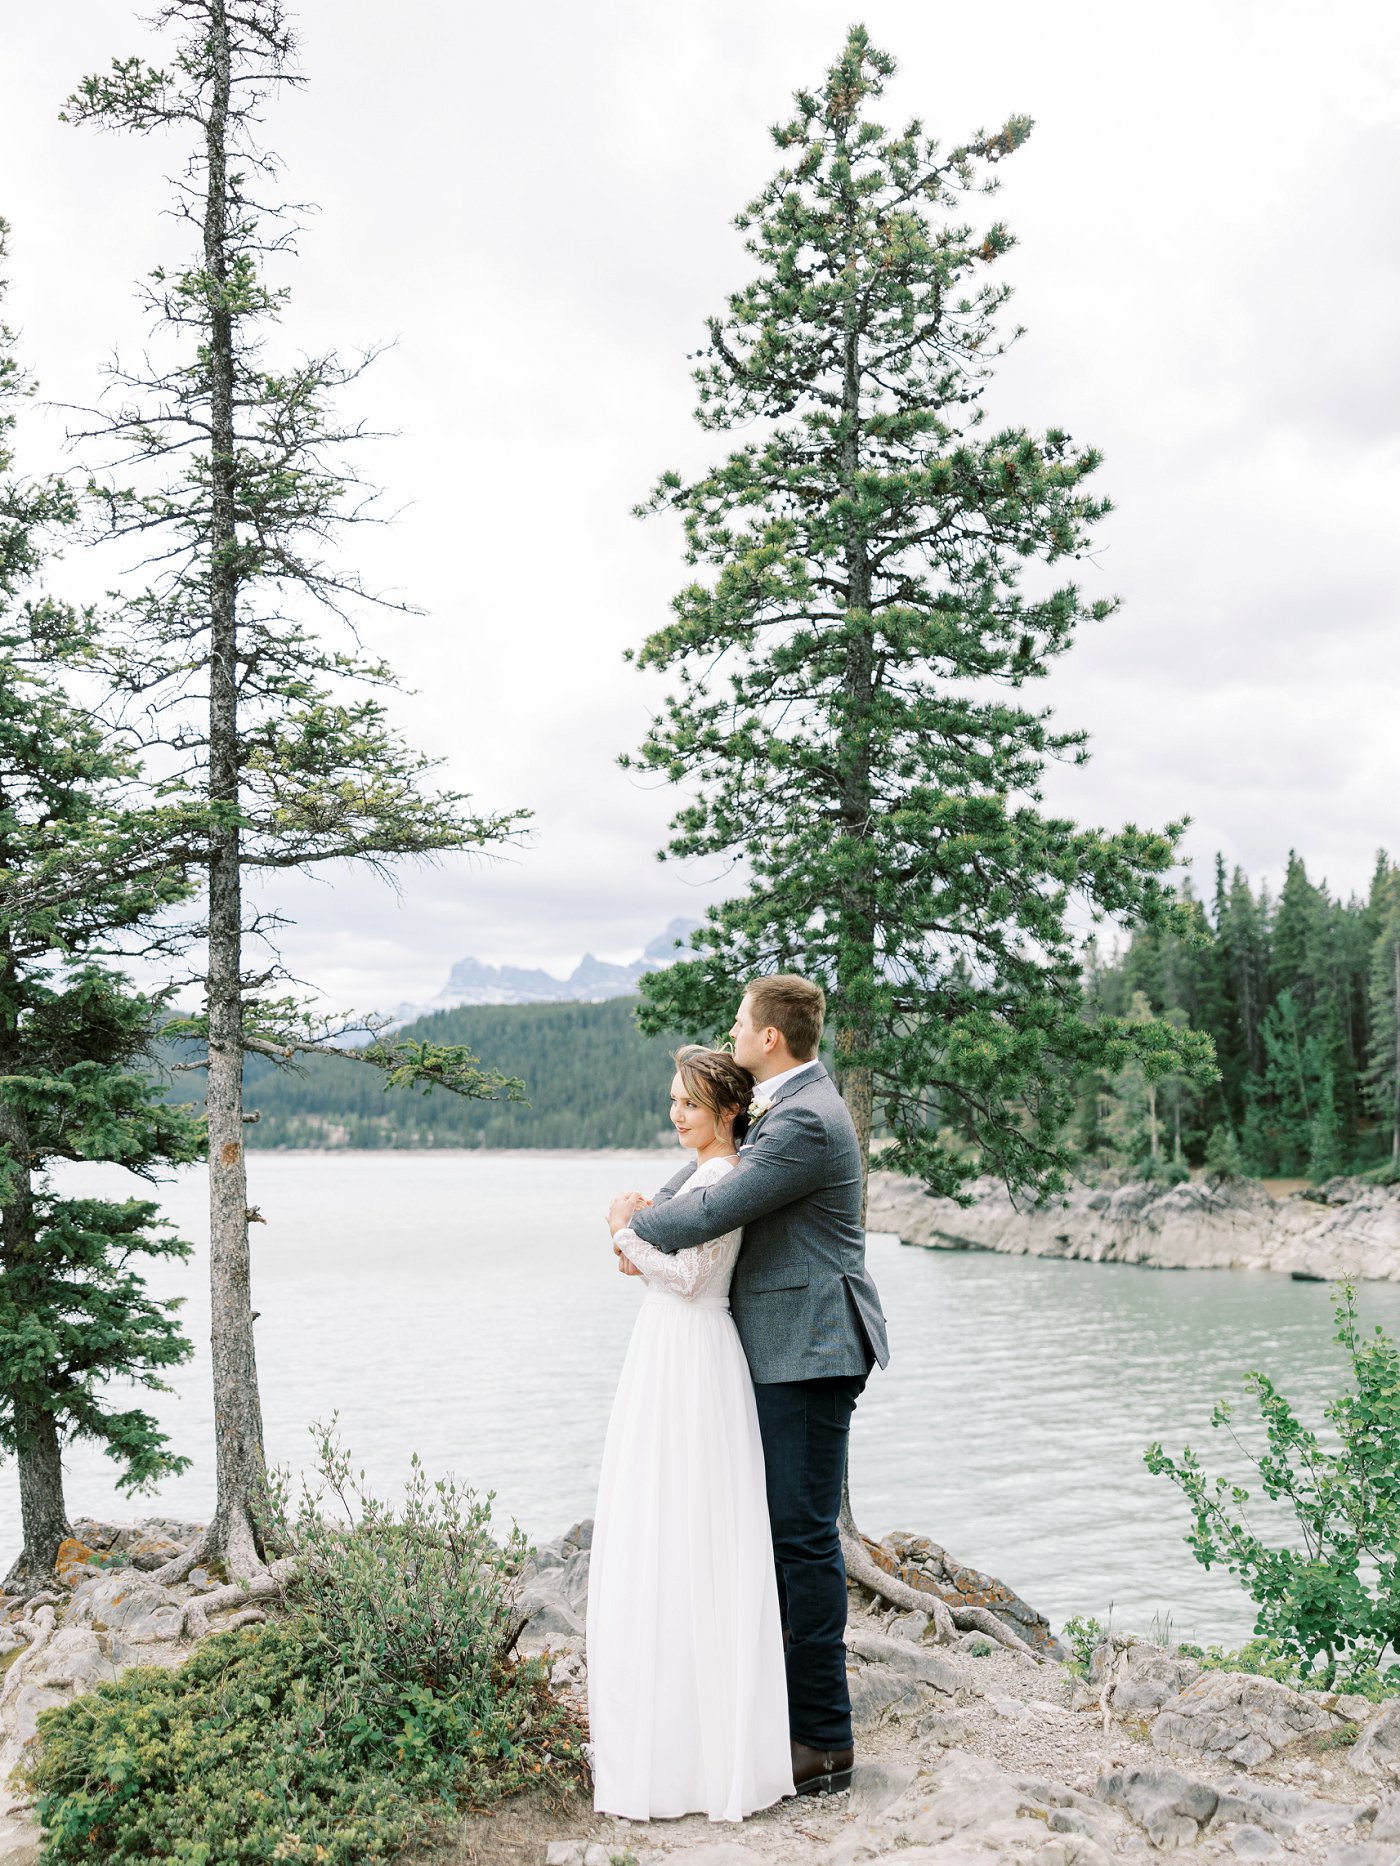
715	1081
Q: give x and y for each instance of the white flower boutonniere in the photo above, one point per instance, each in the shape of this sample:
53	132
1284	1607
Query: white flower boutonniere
759	1107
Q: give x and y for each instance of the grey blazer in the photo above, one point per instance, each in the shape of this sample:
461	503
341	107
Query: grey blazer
801	1297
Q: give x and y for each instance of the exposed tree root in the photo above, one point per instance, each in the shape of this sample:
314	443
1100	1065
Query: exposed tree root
949	1617
266	1585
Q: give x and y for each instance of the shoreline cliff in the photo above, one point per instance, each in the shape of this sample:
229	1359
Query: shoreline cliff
1345	1229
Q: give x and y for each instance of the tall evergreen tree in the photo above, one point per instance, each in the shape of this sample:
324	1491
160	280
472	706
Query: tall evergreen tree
847	712
242	489
1383	1072
74	1311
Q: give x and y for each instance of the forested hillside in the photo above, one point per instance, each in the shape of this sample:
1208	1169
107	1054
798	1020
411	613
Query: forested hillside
592	1078
1300	995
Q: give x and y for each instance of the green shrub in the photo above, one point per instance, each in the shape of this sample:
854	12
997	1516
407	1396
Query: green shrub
384	1699
1331	1606
1083	1636
1268	1658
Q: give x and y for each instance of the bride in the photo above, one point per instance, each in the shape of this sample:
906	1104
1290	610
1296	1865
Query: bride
687	1699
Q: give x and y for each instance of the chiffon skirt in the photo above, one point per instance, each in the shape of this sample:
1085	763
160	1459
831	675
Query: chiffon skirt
687	1697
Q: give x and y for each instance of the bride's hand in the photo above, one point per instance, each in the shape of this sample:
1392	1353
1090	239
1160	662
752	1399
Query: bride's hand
621	1210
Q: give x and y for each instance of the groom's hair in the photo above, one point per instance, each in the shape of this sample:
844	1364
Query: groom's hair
791	1004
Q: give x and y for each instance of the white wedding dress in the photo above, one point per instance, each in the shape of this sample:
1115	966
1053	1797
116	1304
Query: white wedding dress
687	1699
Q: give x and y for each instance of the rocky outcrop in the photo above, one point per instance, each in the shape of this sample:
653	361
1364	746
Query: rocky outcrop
1347	1228
970	1753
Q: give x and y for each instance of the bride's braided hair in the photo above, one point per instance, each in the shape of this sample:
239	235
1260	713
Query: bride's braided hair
715	1081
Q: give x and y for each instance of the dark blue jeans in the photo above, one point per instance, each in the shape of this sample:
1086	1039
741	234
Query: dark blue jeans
805	1426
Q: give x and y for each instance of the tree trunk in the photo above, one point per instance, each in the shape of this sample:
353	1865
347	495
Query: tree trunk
1152	1116
238	1431
857	950
43	1517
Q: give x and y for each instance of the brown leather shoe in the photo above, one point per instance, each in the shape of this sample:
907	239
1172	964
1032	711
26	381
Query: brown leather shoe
821	1771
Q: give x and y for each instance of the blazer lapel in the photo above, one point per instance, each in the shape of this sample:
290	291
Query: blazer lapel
815	1074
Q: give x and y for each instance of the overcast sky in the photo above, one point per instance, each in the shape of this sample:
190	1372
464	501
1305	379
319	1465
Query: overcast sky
535	201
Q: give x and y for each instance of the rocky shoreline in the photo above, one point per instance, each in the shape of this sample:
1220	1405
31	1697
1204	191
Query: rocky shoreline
969	1753
1346	1229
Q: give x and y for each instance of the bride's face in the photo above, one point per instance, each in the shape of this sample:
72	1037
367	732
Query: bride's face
694	1125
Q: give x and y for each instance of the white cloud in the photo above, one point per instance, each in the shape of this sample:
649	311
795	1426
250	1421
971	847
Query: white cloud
537	203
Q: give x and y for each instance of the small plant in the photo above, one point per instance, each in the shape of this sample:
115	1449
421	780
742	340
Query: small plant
1083	1636
982	1649
1331	1607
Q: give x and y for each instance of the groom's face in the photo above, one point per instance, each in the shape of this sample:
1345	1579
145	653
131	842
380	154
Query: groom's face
750	1049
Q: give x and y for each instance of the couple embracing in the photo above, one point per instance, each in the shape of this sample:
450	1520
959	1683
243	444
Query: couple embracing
717	1592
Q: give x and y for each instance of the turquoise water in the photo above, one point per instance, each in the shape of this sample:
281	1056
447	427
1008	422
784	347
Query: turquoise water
465	1306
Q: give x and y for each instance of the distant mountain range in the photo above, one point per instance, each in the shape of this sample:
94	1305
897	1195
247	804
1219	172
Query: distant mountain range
591	981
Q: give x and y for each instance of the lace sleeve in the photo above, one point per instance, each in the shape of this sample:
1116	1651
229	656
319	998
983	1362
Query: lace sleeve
686	1272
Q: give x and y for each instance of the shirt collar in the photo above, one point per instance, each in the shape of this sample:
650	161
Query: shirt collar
766	1090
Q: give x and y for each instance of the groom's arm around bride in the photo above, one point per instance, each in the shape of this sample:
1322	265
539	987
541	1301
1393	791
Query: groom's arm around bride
811	1325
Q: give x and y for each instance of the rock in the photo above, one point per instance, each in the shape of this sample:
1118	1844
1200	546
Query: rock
1387	1822
1260	1804
874	1785
1170	1807
1252	1843
70	1564
1219	1224
1377	1750
920	1563
126	1602
929	1667
568	1673
152	1551
30	1702
877	1694
949	1729
573	1584
71	1659
1145	1676
1362	1853
910	1626
1239	1718
550	1620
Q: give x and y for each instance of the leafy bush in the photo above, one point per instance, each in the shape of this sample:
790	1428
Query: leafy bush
1331	1606
384	1698
1268	1658
1083	1636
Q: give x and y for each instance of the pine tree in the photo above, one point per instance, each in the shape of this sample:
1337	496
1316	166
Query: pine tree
244	486
1383	1073
74	1311
847	712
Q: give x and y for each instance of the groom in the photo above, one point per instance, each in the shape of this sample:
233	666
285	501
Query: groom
811	1326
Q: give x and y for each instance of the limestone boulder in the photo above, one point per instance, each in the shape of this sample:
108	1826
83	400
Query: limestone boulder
1377	1750
1237	1718
1170	1807
1144	1677
125	1602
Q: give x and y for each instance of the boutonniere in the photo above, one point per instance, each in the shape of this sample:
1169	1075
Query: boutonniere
759	1107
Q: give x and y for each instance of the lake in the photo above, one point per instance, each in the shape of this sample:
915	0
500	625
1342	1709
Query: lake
465	1306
